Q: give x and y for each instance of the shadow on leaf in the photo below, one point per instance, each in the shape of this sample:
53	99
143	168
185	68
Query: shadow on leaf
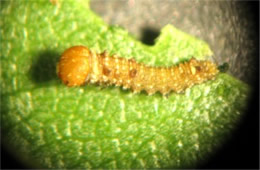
149	35
43	68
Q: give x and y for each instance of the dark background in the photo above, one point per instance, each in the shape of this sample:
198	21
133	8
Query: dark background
232	31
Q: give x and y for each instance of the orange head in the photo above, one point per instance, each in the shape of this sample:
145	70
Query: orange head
74	66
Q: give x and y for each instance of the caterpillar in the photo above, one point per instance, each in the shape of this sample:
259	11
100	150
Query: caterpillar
79	65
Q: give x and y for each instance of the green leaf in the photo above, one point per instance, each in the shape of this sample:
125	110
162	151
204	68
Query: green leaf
104	127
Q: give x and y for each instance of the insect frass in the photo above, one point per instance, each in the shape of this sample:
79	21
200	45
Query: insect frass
79	65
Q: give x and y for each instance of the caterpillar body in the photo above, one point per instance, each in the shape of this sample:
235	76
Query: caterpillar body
79	65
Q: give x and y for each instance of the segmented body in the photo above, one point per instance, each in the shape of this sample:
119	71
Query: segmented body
79	65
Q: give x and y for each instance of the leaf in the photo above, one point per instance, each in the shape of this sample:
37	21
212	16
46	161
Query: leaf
104	127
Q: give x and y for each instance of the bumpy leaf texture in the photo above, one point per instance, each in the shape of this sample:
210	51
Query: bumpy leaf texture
49	125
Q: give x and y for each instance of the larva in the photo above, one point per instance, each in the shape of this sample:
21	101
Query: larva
79	65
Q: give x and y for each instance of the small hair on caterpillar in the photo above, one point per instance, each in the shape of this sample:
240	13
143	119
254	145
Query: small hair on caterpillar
79	65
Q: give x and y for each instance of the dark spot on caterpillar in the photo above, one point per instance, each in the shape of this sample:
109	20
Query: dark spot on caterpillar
198	68
103	54
66	82
106	71
132	73
131	60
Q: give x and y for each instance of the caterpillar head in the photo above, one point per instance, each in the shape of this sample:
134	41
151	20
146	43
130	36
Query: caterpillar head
74	66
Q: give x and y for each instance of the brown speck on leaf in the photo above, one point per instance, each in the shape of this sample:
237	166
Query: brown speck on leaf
54	2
